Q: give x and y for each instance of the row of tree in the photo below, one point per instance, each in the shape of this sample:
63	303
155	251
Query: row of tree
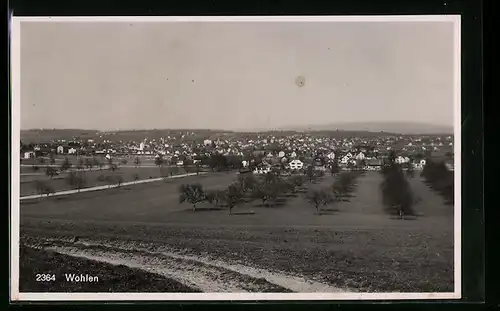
441	179
340	190
268	189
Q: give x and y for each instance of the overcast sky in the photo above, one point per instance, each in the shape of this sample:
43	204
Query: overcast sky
124	75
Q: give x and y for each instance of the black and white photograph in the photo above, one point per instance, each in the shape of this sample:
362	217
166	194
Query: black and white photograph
236	158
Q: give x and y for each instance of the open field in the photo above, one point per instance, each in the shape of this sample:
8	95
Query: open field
59	182
145	160
353	246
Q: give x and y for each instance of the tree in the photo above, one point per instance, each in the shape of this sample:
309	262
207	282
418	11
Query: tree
159	162
360	163
51	172
96	162
297	181
40	186
218	162
66	165
43	188
41	161
192	194
88	163
270	178
214	196
351	165
135	177
319	198
410	172
198	169
187	164
52	159
263	192
48	190
233	196
246	182
397	195
109	179
440	179
310	173
124	161
137	162
334	168
80	165
76	180
119	180
344	185
113	167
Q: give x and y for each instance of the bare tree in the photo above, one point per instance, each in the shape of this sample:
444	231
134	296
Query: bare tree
66	165
319	198
52	159
192	194
51	172
137	162
135	177
233	196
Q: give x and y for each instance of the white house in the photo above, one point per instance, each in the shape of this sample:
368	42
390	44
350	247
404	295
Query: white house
244	163
296	165
331	155
71	150
400	160
281	154
29	154
293	154
207	142
360	156
262	170
345	159
60	149
108	156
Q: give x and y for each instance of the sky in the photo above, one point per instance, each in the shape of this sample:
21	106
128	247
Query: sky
234	75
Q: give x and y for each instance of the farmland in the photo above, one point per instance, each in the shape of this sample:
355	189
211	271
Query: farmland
351	246
94	176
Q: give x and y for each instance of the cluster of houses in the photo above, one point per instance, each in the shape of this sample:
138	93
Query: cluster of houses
345	161
294	151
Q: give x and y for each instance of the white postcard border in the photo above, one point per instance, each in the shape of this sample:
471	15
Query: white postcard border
15	42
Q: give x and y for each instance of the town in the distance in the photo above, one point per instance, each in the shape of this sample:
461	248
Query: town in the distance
259	152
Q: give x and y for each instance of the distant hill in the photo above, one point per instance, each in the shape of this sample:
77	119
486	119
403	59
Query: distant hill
337	131
405	128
